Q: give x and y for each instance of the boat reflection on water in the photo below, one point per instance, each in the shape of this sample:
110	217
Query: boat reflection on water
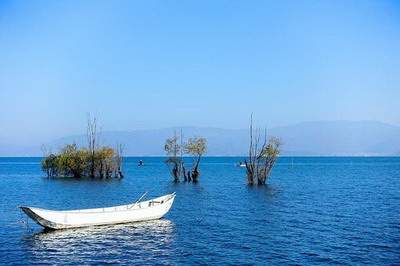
122	243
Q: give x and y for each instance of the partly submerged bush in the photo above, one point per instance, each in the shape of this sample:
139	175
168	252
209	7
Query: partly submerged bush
195	147
263	154
76	162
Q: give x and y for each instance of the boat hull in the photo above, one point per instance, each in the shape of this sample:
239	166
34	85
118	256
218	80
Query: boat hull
142	211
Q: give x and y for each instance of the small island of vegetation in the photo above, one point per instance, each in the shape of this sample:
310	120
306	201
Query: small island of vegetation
93	161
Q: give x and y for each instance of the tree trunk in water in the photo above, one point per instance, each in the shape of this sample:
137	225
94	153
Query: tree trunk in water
195	175
185	177
76	174
175	173
250	175
108	172
101	170
92	167
195	171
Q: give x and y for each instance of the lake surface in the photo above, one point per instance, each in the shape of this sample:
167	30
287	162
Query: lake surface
330	210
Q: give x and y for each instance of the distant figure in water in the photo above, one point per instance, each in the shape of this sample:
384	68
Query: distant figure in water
140	163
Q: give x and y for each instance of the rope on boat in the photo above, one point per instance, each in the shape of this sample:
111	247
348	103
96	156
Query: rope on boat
25	222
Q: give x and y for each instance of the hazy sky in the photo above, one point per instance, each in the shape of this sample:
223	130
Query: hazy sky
152	64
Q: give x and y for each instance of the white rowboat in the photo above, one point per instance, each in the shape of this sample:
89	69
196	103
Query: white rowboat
139	211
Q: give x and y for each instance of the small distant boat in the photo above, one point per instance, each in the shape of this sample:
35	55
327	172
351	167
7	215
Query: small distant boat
140	163
138	211
240	164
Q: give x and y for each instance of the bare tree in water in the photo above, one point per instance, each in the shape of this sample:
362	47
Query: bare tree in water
92	139
118	161
262	156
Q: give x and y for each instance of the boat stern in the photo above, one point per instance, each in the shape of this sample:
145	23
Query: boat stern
37	218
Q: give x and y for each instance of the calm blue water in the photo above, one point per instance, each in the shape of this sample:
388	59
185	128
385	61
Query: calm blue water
314	211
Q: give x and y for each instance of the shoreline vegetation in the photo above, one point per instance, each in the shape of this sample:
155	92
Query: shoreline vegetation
93	161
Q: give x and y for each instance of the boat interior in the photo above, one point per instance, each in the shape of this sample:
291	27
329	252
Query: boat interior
134	206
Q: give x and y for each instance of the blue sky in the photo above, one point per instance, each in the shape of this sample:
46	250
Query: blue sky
153	64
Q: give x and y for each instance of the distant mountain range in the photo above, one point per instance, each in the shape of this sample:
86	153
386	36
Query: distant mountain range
336	138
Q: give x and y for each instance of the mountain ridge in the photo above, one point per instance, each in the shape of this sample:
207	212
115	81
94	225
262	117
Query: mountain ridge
310	138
